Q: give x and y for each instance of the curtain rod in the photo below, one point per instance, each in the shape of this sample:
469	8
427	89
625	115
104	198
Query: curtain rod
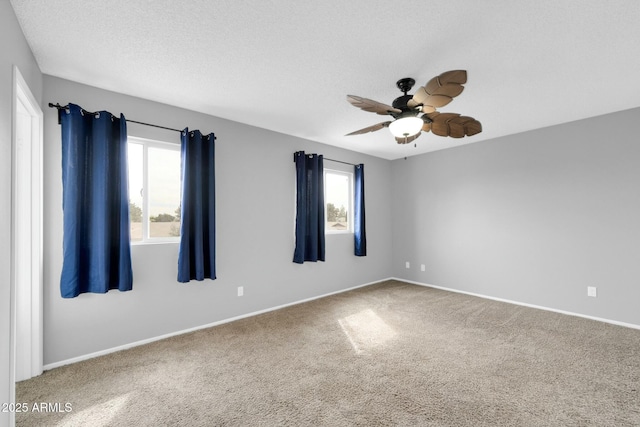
331	160
340	161
62	107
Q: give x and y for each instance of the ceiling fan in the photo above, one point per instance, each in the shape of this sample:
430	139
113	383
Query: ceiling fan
414	114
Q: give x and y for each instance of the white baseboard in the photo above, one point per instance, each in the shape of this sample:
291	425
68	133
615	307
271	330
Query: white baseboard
196	328
539	307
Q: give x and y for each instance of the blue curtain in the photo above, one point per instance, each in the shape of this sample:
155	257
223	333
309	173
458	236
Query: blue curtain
95	203
359	229
197	254
309	208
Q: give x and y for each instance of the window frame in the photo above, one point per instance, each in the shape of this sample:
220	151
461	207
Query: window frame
350	217
146	223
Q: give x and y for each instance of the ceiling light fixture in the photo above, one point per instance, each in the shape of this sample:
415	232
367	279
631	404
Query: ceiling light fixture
406	127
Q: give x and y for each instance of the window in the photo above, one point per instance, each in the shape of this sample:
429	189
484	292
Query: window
338	199
154	191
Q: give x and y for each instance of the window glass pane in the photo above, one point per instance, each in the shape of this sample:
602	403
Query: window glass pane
135	189
337	201
164	192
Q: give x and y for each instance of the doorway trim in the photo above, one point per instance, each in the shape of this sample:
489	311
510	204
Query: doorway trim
27	303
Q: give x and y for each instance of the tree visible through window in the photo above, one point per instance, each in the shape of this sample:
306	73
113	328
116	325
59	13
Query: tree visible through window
154	190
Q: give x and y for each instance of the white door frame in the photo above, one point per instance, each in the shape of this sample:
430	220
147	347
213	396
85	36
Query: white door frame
26	286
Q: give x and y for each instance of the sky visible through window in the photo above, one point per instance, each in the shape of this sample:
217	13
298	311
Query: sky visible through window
164	178
135	154
337	201
337	190
164	181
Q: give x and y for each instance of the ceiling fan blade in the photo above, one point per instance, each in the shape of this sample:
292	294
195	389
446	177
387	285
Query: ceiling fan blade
421	97
450	89
472	127
454	125
371	105
370	129
440	90
469	125
408	139
456	128
453	76
440	126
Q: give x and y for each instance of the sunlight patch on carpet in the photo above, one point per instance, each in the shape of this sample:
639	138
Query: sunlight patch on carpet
99	415
366	330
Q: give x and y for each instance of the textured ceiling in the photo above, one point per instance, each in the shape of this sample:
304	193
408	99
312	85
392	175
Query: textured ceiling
287	66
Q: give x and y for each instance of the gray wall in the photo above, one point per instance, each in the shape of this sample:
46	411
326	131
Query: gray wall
15	51
533	218
255	184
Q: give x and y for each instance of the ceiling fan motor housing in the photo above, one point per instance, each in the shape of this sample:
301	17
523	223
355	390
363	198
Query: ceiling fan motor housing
401	102
405	84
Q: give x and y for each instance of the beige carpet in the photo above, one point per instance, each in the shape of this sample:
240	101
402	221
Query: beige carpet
388	354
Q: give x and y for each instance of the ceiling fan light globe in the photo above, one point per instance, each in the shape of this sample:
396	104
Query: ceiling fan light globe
406	127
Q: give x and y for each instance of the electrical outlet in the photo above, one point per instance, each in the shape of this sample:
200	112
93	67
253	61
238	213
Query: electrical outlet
592	291
240	291
423	267
406	264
